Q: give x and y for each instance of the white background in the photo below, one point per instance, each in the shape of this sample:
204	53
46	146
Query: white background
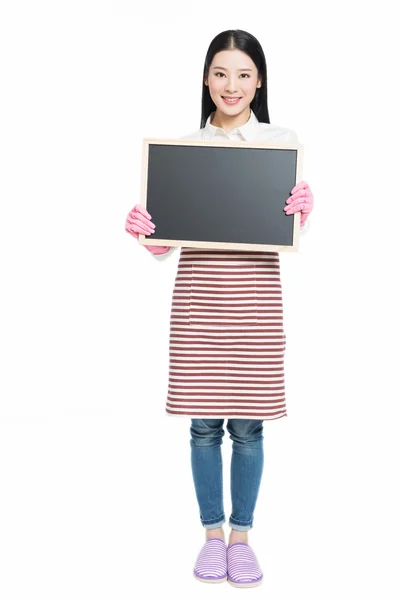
97	499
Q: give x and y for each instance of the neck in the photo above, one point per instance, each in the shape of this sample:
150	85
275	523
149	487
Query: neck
228	123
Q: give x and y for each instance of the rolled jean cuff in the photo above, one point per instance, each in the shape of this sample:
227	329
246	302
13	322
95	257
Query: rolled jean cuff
240	526
213	523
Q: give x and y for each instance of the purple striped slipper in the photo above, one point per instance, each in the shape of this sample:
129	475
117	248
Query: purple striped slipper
243	567
210	565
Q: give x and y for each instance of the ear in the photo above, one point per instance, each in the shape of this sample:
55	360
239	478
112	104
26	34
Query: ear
259	83
206	81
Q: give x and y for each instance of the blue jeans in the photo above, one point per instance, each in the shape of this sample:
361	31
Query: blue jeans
246	469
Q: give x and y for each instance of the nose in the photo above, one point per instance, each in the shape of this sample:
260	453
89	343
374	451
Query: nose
230	86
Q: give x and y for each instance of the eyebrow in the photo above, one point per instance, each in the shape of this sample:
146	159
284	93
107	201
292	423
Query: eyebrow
223	68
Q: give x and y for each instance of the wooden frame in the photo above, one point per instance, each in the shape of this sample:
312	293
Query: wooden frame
151	240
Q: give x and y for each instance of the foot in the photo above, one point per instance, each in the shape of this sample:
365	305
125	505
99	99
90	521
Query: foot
215	533
238	536
242	566
211	566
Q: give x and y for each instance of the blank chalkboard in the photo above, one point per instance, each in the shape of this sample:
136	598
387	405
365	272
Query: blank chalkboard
223	195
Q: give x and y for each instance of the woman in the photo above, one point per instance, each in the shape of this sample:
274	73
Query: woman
227	340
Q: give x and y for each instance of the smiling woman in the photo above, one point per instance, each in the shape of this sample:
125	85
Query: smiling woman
232	80
227	339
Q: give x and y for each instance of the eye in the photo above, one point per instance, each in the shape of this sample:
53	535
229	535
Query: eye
220	73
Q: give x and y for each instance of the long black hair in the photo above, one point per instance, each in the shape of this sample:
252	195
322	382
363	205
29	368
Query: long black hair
240	40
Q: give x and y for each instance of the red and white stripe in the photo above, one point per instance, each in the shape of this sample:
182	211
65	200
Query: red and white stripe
227	341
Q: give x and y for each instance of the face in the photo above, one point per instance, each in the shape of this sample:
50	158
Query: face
232	73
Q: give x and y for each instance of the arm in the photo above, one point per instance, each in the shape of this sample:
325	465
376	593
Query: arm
139	221
302	198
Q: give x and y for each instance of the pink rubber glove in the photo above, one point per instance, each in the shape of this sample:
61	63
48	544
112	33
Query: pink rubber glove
139	221
301	199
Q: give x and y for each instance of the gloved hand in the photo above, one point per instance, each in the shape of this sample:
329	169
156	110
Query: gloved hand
301	199
139	221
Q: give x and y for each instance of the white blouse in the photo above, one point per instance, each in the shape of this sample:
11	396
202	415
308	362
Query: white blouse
253	130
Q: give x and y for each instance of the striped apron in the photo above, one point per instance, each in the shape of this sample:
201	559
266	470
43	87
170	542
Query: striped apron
227	342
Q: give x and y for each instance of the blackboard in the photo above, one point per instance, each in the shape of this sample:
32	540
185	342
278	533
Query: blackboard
223	195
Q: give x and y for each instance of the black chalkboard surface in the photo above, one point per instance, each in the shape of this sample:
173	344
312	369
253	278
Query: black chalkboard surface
222	195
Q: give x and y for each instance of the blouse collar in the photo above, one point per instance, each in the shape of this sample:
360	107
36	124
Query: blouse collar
247	130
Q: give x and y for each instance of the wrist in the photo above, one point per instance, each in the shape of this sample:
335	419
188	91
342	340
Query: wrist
156	250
